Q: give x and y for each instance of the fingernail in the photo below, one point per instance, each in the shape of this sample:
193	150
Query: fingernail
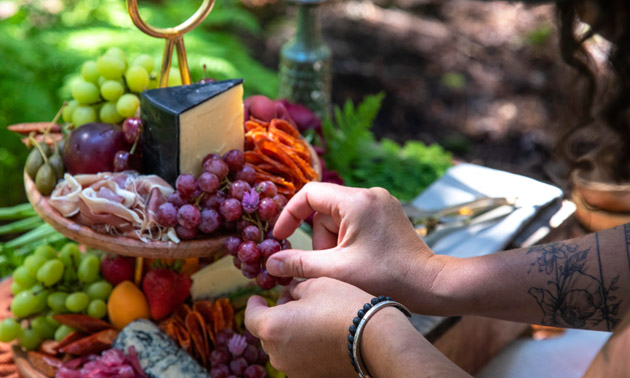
275	266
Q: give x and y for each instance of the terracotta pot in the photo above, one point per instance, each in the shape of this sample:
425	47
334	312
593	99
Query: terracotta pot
600	204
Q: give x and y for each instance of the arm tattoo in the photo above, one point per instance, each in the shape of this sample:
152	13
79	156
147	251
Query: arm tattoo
572	297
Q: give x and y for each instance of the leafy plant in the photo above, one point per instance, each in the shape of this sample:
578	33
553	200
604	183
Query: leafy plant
352	151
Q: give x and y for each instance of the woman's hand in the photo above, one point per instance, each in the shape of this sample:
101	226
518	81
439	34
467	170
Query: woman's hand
305	334
364	238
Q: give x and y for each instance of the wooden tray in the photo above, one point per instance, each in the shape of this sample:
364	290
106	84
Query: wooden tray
119	244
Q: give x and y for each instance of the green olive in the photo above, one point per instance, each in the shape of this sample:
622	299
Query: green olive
56	162
61	145
46	148
45	180
33	162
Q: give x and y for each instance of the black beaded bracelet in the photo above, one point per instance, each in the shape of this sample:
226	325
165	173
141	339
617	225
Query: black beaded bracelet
358	325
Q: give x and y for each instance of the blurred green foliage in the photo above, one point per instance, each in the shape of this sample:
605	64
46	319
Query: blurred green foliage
43	44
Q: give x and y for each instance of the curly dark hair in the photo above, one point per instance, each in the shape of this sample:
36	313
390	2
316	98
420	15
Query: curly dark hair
605	98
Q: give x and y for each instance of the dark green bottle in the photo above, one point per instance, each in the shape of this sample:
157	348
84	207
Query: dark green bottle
305	76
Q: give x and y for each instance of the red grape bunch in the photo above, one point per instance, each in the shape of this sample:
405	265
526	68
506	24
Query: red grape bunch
237	355
227	198
124	160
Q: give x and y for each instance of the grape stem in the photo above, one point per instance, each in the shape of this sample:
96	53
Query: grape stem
135	142
258	224
39	148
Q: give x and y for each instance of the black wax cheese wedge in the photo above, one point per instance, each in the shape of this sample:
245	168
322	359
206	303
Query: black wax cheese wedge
185	123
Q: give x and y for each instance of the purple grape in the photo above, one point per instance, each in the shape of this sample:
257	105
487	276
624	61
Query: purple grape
263	357
238	366
208	182
208	157
284	281
213	201
121	161
220	356
265	280
217	167
250	270
251	233
210	221
197	193
131	128
220	371
281	200
267	209
237	263
269	234
229	226
251	339
231	244
222	338
167	215
188	216
255	371
238	189
186	184
267	189
251	354
247	174
235	159
231	209
248	252
176	199
285	244
186	233
268	247
242	223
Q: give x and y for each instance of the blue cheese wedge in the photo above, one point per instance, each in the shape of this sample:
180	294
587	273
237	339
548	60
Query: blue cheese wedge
185	123
159	356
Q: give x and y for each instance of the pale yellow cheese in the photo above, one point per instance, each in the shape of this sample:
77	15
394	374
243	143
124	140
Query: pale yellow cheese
215	126
217	279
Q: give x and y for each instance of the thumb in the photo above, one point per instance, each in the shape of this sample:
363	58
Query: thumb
304	264
254	313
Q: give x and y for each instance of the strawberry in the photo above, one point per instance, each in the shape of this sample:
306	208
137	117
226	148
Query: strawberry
165	290
117	268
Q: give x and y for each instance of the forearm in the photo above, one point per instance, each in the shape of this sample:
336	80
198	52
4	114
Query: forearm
579	283
391	347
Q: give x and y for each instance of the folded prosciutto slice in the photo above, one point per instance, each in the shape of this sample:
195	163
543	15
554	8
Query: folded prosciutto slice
122	203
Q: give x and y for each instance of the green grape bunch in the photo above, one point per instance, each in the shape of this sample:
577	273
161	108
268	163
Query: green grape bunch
109	87
51	282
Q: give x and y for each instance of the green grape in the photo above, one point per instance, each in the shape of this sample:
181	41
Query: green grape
110	114
69	276
174	77
85	93
15	288
9	330
111	67
83	114
89	71
153	82
51	272
97	308
117	52
111	90
62	332
145	61
88	268
32	264
51	320
29	339
99	290
24	304
41	297
127	105
23	278
68	109
57	301
46	252
43	329
77	301
70	255
137	78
